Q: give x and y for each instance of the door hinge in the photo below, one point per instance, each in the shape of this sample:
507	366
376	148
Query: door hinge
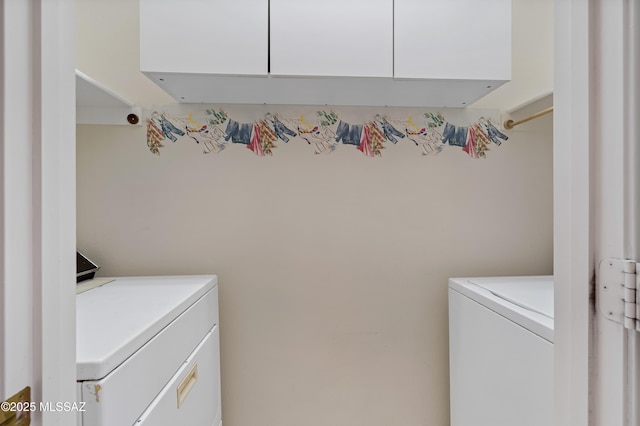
16	411
617	292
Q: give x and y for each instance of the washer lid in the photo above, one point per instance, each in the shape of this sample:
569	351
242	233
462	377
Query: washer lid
115	320
527	301
532	293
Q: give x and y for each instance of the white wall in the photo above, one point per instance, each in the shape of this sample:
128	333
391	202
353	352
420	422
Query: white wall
108	49
333	269
532	56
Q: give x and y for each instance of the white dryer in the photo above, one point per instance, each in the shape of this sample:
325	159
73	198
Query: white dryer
148	352
501	351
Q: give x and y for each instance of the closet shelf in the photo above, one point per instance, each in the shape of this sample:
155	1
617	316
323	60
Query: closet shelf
97	104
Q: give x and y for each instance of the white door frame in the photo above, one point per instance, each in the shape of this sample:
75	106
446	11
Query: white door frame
37	198
595	204
572	219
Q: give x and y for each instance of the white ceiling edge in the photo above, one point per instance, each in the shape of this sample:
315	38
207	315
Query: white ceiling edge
97	104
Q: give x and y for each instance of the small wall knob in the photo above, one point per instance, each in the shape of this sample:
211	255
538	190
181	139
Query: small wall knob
132	119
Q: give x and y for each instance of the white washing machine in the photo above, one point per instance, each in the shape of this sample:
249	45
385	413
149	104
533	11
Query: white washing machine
501	351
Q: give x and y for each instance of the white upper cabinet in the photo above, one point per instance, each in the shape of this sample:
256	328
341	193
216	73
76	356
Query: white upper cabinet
347	38
436	53
204	36
452	39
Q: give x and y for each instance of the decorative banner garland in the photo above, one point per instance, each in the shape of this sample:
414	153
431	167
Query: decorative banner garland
261	136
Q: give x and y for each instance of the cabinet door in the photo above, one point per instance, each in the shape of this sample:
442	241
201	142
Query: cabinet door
331	38
452	39
204	36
